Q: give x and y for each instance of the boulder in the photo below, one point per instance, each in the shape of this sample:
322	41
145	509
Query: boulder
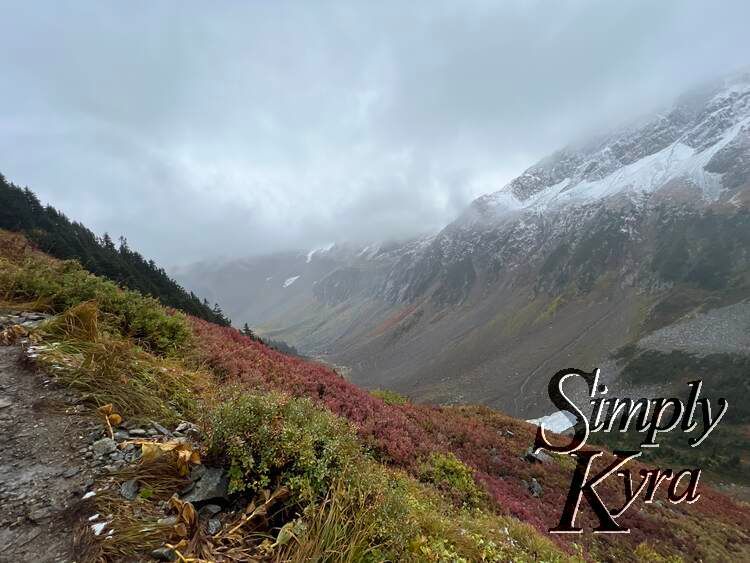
211	485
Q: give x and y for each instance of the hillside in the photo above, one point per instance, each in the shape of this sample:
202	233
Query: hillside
21	211
346	472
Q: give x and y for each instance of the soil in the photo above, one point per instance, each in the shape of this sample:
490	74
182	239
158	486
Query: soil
44	470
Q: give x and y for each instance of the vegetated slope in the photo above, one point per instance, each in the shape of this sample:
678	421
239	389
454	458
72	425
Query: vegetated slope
54	233
354	475
589	250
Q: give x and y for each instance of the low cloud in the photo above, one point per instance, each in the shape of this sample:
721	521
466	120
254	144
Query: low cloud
242	128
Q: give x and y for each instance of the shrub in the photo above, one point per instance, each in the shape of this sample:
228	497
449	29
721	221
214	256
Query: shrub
453	478
58	286
389	397
108	368
268	438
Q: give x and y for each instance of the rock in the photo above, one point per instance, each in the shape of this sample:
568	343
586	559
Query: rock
129	489
214	526
163	554
159	428
5	402
104	446
40	513
116	456
137	432
539	457
212	484
535	488
197	472
189	429
72	472
152	433
209	510
168	521
121	435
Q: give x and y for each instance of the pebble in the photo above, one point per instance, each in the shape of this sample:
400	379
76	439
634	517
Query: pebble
214	526
159	428
129	489
104	446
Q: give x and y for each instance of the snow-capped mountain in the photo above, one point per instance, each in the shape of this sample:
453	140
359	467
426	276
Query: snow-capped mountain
592	248
692	144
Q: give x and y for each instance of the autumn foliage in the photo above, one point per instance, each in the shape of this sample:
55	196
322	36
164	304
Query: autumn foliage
492	444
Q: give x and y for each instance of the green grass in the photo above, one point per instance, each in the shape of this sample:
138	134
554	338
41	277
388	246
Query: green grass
56	286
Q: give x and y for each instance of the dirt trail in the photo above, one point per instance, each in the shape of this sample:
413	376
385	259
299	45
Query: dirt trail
43	466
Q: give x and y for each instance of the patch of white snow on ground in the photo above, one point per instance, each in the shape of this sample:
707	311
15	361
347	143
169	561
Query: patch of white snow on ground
325	248
290	281
558	421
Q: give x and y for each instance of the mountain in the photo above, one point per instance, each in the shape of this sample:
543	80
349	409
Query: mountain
21	211
597	247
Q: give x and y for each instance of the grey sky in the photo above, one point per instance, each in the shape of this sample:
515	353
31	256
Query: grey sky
235	128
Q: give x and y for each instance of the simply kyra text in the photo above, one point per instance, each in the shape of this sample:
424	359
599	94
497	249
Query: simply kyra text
648	416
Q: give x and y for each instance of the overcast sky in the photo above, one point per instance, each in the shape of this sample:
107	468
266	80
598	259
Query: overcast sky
204	129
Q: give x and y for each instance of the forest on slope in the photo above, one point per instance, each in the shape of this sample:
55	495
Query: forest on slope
21	211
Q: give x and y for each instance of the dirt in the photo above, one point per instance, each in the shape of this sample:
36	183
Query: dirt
44	470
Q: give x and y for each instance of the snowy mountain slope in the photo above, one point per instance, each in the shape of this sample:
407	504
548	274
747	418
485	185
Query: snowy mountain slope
592	248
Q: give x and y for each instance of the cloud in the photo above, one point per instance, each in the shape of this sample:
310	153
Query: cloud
245	128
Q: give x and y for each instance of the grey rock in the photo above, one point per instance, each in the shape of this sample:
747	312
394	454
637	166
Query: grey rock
72	472
163	554
197	472
535	488
168	521
137	432
5	402
214	526
129	489
40	513
104	446
539	457
159	428
210	510
213	484
121	435
189	429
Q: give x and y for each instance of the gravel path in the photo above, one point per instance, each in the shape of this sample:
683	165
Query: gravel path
43	469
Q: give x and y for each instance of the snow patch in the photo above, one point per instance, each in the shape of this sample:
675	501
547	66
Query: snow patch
324	248
290	281
558	421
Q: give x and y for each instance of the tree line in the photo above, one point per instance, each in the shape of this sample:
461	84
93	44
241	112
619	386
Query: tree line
21	211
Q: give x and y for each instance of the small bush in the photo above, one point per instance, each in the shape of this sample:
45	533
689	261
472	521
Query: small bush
108	368
58	286
271	438
389	397
452	477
